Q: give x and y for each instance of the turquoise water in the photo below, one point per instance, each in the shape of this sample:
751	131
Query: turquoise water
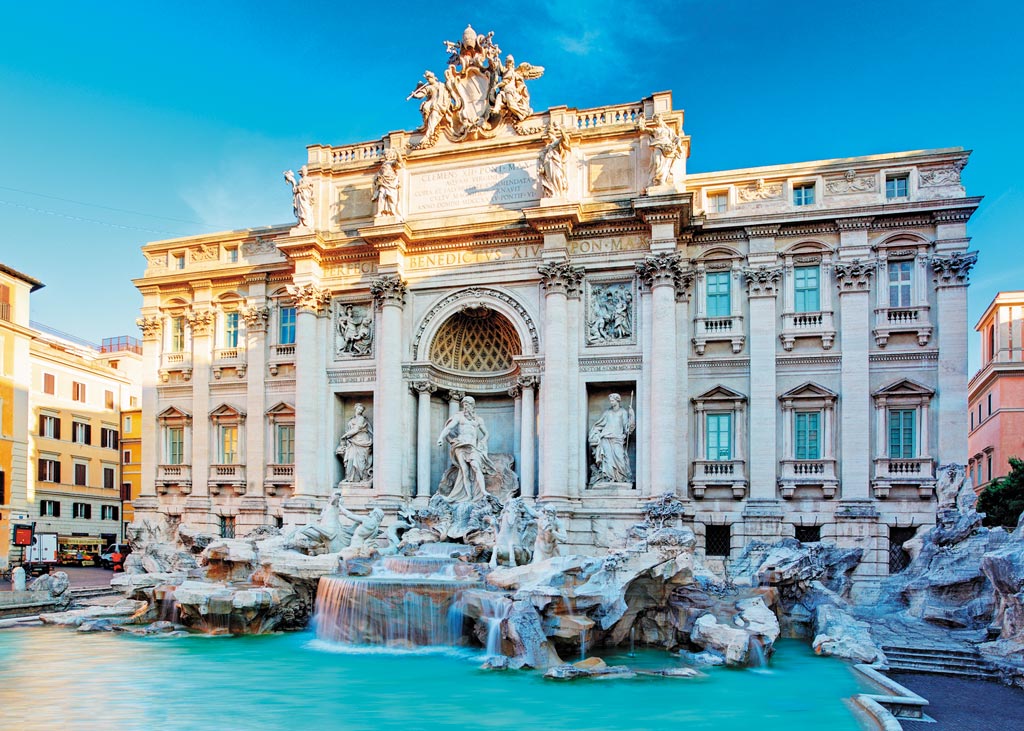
57	679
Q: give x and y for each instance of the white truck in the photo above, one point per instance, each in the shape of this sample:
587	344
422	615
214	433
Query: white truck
41	555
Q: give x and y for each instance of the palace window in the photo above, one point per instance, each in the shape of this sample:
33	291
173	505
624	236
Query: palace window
81	433
5	302
901	283
49	508
126	456
108	477
177	334
82	511
174	445
227	526
717	540
126	492
897	186
81	474
231	254
807	434
109	512
719	436
231	330
227	431
902	433
988	465
990	404
49	470
285	443
49	426
286	326
227	451
108	437
718	303
49	384
803	194
718	202
807	288
178	261
77	391
899	558
127	423
108	399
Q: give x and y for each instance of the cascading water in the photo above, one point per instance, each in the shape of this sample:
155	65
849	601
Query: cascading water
495	609
405	602
756	657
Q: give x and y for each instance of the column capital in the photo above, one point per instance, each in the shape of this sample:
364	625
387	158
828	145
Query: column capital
953	270
309	298
422	387
854	275
762	281
388	289
454	395
151	327
663	269
528	381
255	317
199	321
561	277
515	391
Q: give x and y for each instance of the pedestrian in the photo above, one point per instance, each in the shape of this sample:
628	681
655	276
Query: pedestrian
117	561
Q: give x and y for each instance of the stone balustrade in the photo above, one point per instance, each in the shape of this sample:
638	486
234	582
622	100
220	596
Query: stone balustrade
889	320
709	473
808	324
708	329
817	473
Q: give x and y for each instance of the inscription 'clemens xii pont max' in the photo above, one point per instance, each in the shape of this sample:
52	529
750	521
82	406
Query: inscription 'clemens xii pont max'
504	184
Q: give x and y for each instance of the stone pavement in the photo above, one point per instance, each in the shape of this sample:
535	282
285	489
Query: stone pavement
959	704
80	577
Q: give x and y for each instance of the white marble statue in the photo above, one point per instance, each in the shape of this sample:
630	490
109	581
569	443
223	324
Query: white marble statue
550	532
607	439
355	330
512	527
302	197
554	163
666	148
436	105
467	445
356	447
367	526
387	185
512	96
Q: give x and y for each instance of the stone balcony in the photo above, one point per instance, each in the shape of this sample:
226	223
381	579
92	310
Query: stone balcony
177	476
280	355
227	476
918	472
228	358
813	473
889	320
708	329
730	474
179	362
808	325
278	476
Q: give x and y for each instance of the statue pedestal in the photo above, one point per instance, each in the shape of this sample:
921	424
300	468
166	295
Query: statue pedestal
362	490
612	486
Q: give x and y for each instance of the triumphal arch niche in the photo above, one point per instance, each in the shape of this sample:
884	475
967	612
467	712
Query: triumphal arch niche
548	301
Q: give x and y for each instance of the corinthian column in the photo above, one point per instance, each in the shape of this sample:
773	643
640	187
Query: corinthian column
661	272
389	295
557	278
528	437
310	303
423	390
152	330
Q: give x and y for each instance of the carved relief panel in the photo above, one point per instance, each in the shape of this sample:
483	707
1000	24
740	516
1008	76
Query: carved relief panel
353	329
611	312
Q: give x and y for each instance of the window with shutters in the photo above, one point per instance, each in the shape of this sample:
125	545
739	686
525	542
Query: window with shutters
49	470
78	391
807	288
719	436
49	426
807	434
717	299
174	447
81	473
285	444
49	508
3	487
902	428
81	433
49	384
5	302
126	491
108	437
108	399
82	511
228	445
109	512
109	476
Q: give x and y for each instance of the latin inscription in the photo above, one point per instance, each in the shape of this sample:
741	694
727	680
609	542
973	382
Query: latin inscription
504	184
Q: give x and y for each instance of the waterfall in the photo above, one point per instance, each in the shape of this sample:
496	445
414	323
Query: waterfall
168	610
495	609
406	601
756	657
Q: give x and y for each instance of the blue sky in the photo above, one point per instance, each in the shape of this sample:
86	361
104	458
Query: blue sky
129	122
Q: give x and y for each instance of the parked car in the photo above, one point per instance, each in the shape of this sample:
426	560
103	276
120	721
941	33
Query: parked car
105	557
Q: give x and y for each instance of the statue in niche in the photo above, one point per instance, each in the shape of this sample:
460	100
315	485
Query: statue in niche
356	447
302	197
607	440
611	314
550	532
666	148
386	185
355	330
467	446
554	161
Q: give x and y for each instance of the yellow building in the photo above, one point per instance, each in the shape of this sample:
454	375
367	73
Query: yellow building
131	461
61	405
15	379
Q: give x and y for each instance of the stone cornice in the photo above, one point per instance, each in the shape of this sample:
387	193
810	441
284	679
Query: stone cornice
554	219
762	232
854	223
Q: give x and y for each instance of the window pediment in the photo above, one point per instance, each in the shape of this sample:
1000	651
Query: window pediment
809	391
905	388
174	415
721	395
227	413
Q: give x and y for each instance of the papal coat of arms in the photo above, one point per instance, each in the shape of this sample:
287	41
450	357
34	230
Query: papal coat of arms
477	94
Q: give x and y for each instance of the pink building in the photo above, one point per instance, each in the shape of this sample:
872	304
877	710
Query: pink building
996	392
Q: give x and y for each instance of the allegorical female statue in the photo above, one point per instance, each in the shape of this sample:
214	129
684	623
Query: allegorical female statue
302	197
607	440
356	447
